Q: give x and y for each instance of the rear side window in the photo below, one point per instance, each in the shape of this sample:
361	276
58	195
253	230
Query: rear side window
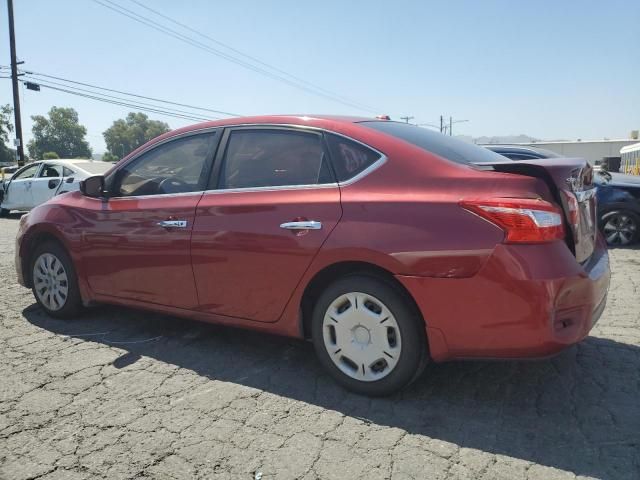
268	158
349	158
51	171
434	142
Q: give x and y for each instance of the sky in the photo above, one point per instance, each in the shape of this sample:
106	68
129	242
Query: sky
549	69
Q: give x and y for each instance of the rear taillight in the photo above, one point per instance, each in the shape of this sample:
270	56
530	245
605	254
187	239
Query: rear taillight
573	214
523	220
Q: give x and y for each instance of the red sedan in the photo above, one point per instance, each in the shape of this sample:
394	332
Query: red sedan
386	244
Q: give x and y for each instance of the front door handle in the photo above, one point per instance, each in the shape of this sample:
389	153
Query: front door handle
173	224
303	225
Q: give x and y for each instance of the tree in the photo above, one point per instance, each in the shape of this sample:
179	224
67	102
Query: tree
109	157
49	155
7	155
60	133
125	135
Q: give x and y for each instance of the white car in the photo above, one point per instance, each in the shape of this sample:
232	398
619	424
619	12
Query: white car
37	182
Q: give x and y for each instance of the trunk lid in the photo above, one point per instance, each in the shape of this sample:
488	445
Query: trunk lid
571	182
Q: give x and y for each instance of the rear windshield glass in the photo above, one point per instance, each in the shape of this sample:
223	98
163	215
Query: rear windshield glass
446	147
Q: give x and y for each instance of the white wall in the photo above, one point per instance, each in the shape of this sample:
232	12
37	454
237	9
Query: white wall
590	150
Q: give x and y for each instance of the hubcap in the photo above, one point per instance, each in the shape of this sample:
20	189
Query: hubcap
361	336
619	229
50	281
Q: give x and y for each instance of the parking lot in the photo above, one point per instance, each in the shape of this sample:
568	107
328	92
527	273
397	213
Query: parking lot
128	394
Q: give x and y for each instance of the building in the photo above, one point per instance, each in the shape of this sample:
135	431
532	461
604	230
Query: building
591	150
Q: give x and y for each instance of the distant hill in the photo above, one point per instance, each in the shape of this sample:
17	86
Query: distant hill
499	139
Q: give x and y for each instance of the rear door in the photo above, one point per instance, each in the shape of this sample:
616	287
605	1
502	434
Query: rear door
272	204
47	183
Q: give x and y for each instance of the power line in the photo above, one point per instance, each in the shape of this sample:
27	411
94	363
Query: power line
125	104
50	82
252	58
131	94
195	43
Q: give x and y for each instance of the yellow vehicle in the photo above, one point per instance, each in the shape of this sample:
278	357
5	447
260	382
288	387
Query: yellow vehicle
630	159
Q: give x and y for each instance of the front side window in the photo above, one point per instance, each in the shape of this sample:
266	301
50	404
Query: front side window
51	171
177	166
349	158
267	158
28	172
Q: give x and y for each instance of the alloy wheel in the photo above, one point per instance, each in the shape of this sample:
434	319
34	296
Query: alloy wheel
362	336
50	281
620	229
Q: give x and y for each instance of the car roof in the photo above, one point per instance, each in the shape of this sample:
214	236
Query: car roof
308	120
63	161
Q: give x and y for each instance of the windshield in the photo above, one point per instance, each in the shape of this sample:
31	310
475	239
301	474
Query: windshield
95	168
434	142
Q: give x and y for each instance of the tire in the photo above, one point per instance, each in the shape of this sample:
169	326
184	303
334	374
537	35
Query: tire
620	227
54	283
368	335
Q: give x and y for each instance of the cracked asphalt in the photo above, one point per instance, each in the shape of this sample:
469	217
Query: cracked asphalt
128	394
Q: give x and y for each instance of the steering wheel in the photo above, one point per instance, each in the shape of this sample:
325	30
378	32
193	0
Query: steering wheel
173	185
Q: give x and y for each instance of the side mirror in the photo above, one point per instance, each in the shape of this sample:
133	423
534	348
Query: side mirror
92	186
70	180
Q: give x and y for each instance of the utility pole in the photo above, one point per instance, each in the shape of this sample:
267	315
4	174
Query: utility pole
406	119
441	123
14	82
451	122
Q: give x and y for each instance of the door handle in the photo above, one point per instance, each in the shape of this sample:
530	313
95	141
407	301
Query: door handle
303	225
172	224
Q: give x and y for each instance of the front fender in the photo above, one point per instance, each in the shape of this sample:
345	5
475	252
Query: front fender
50	222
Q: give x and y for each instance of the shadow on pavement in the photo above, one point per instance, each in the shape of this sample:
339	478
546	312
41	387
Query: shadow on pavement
578	412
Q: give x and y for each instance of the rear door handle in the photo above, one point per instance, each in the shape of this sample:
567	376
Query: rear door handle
173	224
304	225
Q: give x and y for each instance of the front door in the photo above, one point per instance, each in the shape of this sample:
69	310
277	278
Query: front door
138	242
255	234
18	193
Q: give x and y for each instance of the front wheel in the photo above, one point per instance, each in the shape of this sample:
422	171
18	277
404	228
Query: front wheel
54	282
368	335
620	228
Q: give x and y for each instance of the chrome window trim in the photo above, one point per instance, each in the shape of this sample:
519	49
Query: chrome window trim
159	195
374	166
273	188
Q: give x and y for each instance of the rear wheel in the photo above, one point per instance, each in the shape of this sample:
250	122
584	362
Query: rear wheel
368	335
54	282
620	227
